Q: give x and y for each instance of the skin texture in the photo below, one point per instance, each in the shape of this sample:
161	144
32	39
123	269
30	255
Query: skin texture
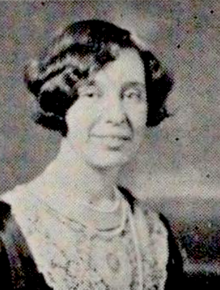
106	126
107	123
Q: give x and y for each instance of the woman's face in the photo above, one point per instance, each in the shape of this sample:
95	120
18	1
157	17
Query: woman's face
107	123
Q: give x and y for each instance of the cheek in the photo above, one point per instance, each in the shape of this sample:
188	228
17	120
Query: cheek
80	118
138	117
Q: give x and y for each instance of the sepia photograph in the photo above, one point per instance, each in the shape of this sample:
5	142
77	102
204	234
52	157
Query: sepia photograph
110	145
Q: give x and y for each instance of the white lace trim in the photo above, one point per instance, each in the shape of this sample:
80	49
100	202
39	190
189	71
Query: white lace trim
69	262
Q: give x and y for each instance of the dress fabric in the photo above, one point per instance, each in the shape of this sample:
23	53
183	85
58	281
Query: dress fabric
68	257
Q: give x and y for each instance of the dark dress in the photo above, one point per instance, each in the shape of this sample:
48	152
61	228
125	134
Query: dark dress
19	271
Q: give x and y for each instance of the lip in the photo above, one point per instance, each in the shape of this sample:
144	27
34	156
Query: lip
114	136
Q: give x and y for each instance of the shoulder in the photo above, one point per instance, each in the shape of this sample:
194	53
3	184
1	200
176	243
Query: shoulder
14	194
156	233
5	213
163	244
17	266
146	218
156	223
175	262
18	198
24	191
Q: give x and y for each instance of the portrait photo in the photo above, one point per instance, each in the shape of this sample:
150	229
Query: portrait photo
110	145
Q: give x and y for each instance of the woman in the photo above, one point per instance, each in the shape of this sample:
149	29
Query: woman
79	229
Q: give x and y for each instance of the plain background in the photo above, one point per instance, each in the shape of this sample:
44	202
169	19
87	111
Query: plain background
178	166
180	157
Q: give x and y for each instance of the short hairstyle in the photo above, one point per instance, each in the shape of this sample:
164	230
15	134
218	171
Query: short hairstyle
81	47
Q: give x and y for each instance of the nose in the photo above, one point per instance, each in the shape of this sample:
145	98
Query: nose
114	111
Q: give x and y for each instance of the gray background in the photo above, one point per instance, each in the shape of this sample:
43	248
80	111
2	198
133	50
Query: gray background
177	170
182	156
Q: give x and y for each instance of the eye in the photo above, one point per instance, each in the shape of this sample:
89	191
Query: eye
133	93
90	95
89	92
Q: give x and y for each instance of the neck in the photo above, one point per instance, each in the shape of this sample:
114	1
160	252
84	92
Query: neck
70	176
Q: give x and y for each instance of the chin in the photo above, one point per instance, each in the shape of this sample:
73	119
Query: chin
105	161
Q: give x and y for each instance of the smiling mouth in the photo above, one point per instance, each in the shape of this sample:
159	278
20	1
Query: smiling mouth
113	137
113	142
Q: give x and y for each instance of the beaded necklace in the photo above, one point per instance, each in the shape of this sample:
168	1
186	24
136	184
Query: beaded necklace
90	231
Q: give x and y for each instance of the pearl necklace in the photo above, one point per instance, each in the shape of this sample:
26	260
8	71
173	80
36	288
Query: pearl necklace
91	230
106	233
137	248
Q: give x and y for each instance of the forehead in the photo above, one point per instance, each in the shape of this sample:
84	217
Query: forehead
127	67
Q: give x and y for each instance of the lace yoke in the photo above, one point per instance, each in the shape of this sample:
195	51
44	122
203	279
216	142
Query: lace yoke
70	259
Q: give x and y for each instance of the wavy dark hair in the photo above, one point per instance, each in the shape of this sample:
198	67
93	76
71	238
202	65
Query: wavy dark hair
81	47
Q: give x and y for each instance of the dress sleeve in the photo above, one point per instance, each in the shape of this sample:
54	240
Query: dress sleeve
17	266
5	276
5	270
175	276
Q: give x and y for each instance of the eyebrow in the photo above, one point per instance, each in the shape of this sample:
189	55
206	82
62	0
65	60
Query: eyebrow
93	82
135	84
